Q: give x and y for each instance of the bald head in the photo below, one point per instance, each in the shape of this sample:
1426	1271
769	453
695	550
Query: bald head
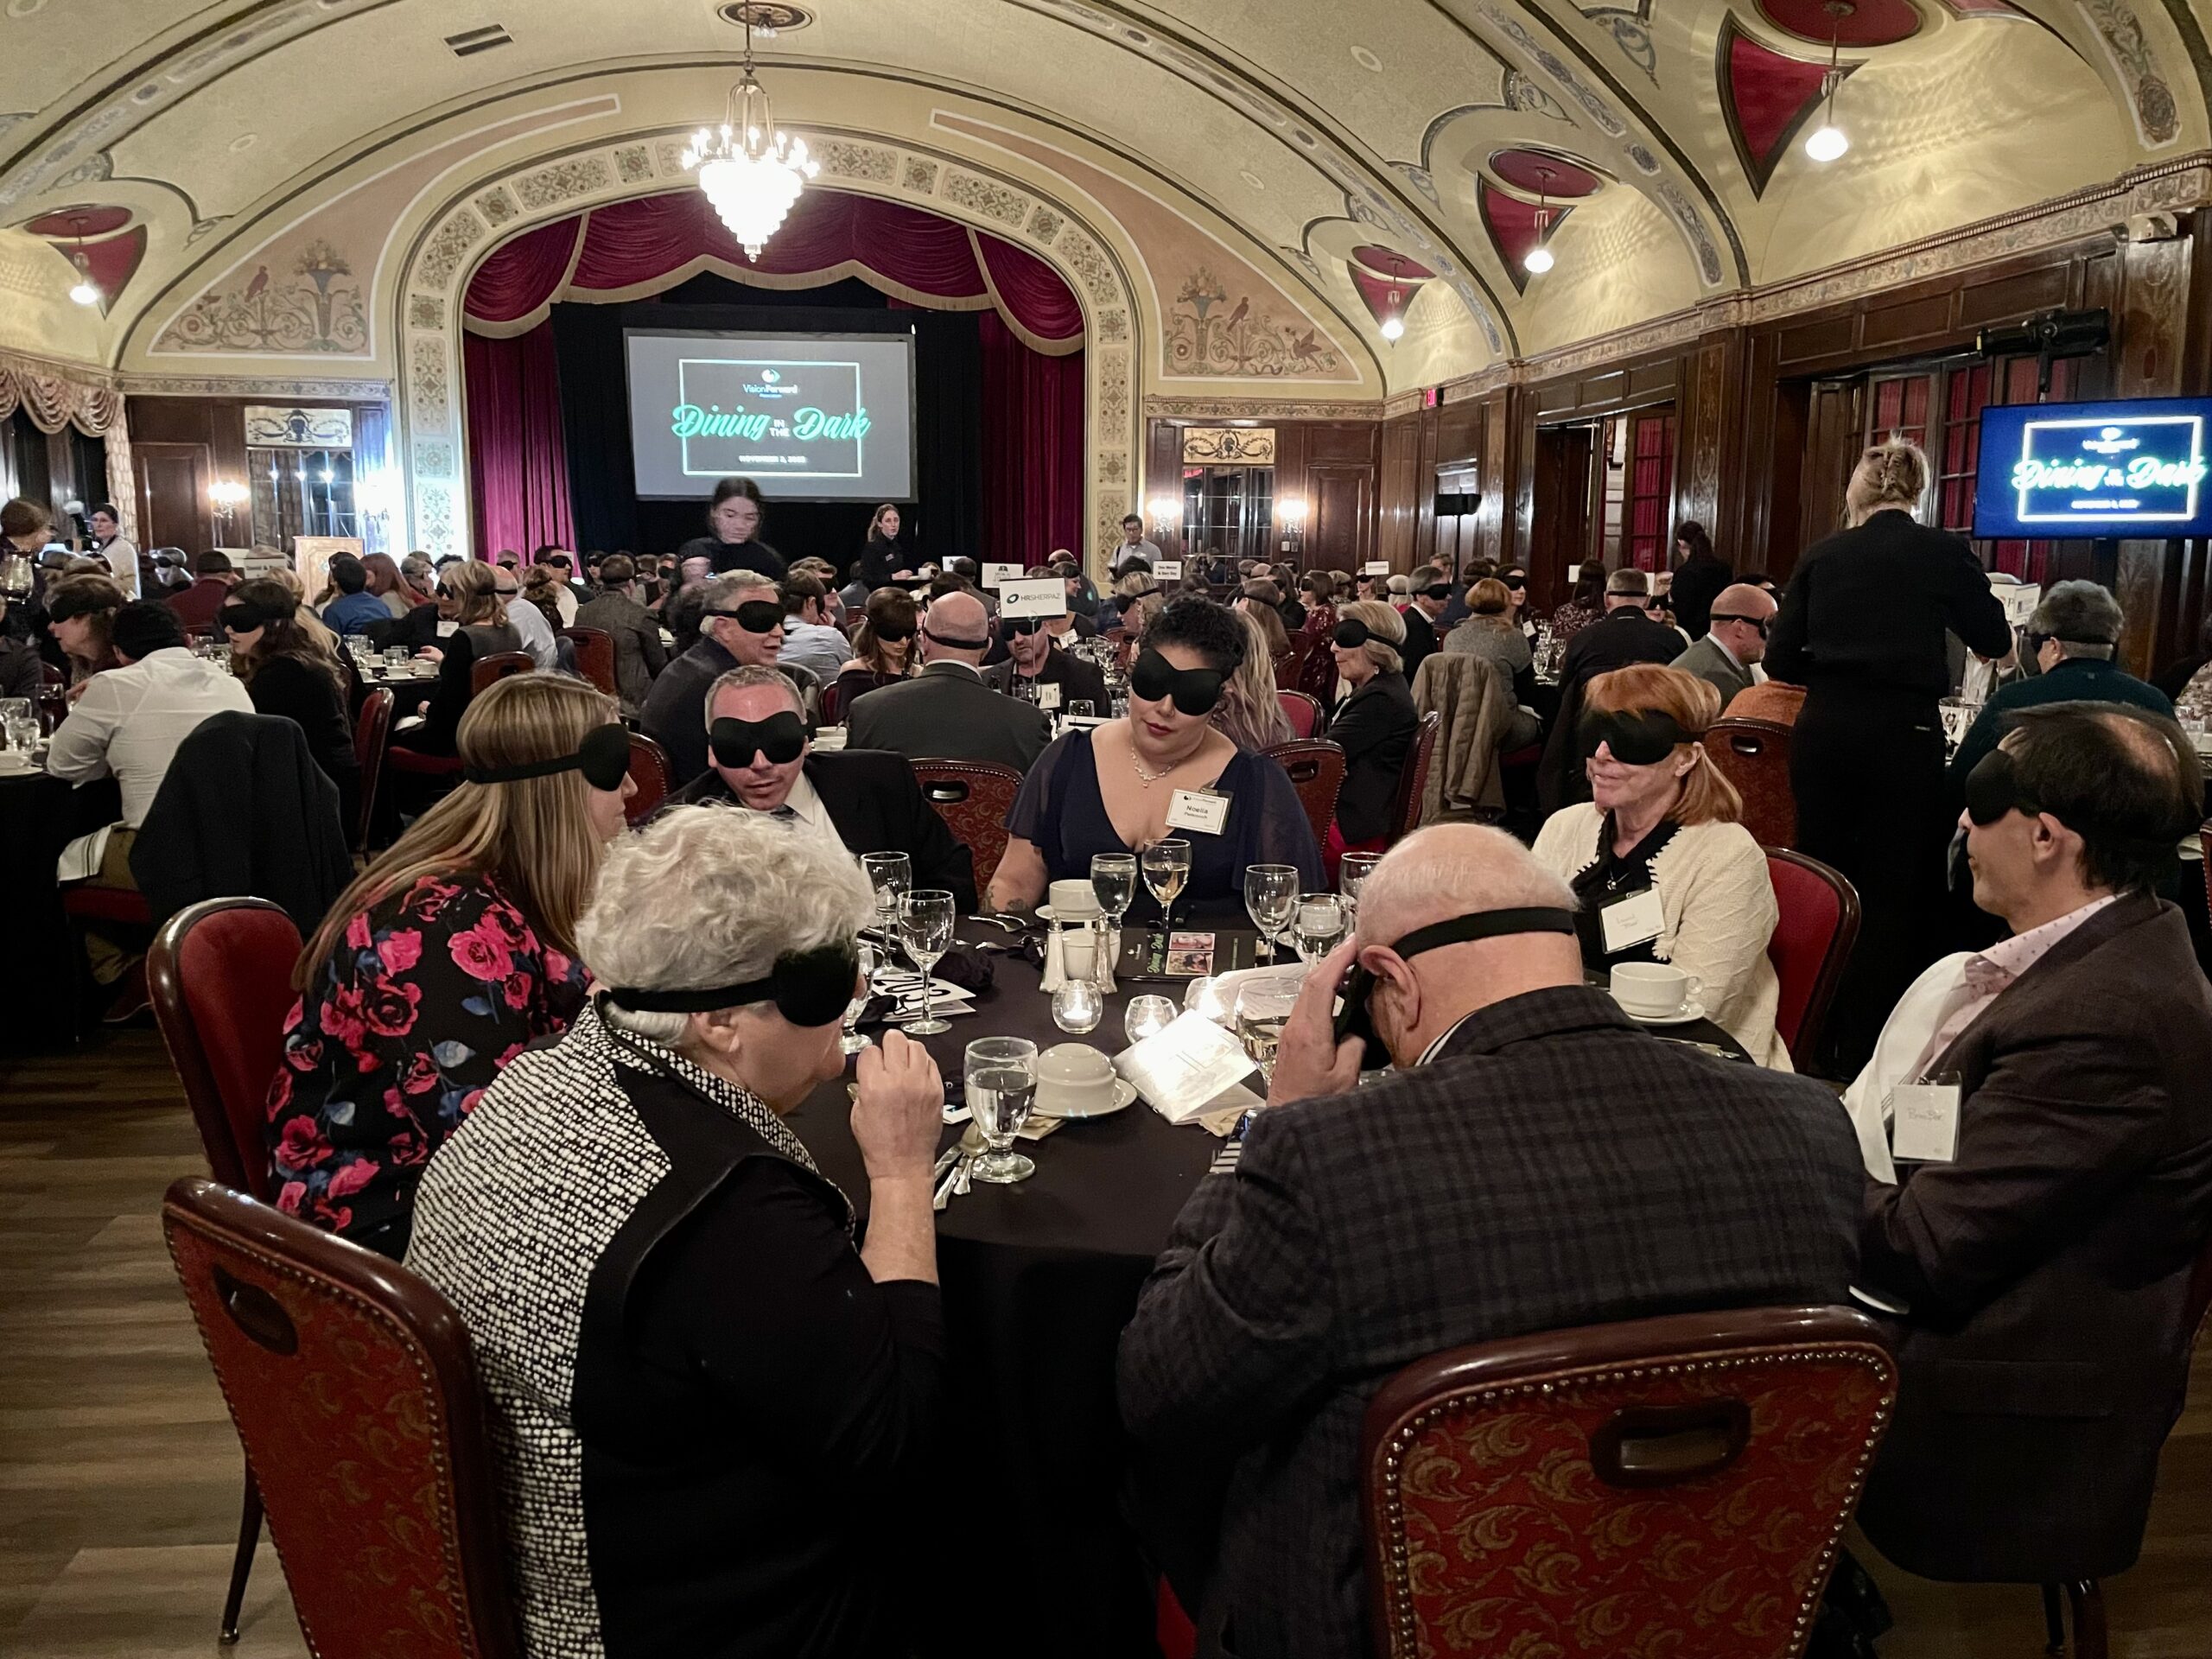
1738	621
953	618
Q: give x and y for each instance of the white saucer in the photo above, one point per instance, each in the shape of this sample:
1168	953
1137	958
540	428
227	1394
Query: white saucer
1693	1010
1124	1093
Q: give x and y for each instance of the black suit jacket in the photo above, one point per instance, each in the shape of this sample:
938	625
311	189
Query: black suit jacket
1697	584
1555	1166
949	712
676	709
1375	728
1614	640
873	798
2047	1266
1079	681
1420	640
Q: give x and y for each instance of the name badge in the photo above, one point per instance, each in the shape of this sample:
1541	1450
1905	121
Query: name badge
1632	920
447	629
1048	695
1925	1126
1199	810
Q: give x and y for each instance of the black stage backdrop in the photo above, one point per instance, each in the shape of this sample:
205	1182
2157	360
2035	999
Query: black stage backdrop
946	520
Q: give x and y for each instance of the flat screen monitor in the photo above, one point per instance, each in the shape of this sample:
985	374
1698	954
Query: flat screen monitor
2052	471
809	417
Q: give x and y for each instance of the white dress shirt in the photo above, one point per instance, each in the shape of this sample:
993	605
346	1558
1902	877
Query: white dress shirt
130	720
536	632
1147	549
122	556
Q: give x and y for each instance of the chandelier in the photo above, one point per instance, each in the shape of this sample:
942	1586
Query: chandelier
751	172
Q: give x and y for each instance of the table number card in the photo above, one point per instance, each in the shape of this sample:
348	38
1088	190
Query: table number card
997	575
1048	695
1168	570
1038	596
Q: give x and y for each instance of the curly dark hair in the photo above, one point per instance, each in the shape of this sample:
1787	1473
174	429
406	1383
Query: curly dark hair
1197	624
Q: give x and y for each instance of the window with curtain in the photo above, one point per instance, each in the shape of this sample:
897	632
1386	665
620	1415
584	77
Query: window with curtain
1651	489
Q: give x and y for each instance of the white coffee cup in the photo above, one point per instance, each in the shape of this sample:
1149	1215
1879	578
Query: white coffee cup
1654	989
1073	900
1074	1080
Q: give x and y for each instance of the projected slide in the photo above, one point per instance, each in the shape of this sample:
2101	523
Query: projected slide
810	417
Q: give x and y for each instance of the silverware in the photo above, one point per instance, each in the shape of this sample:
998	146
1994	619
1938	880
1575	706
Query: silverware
956	1178
1007	924
946	1159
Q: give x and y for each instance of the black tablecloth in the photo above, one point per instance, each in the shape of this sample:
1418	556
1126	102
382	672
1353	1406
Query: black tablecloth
41	976
1039	1280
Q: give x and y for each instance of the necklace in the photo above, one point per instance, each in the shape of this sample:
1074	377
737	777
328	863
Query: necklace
1147	778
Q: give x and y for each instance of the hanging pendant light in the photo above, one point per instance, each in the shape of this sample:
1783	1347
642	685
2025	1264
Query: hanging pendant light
1538	260
1828	142
86	291
751	173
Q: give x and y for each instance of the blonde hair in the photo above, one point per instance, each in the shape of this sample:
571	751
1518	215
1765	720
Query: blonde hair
1249	713
475	586
1891	474
1490	598
533	836
1707	797
1385	625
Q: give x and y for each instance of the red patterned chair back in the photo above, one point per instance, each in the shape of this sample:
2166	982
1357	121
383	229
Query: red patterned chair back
973	797
498	665
1317	773
1413	779
371	727
833	697
595	656
1317	674
1304	713
220	976
649	770
1811	946
1754	755
352	1387
1676	1486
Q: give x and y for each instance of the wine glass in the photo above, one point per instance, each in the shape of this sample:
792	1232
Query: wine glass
852	1042
1080	709
1352	872
1271	900
1262	1006
1320	923
892	875
925	918
1166	867
1147	1016
1001	1075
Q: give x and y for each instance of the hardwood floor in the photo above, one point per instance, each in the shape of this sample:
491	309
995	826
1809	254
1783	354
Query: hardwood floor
119	1474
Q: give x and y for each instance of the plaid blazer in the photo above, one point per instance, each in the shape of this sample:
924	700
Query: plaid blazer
1556	1166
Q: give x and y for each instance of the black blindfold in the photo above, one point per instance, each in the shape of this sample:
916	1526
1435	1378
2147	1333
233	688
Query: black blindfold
893	630
1439	590
781	738
243	616
1351	633
811	989
1643	738
754	616
1194	689
1356	1020
1021	626
603	757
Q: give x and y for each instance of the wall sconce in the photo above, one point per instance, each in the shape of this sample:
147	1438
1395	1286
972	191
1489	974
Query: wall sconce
227	498
1291	513
1165	510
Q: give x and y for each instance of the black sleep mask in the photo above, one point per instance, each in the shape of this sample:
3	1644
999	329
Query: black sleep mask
811	989
1438	590
1023	626
1354	1019
243	616
754	615
603	757
1642	737
1351	633
1994	789
893	630
781	738
1195	689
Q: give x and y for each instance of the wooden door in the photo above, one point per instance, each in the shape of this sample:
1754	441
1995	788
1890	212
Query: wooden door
1344	529
1559	533
174	510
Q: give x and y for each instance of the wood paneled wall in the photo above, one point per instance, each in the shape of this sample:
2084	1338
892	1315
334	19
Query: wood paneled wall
174	439
1333	466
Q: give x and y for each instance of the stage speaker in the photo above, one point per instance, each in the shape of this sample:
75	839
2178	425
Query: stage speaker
1457	506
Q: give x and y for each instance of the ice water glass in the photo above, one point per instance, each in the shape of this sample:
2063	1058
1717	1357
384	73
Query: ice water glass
1320	923
1262	1006
1001	1075
892	875
925	918
1270	900
853	1041
1352	871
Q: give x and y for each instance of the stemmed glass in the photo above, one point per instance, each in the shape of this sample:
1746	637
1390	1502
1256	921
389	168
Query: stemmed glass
1113	879
925	918
1352	871
1262	1006
892	875
1001	1075
1166	867
852	1042
1271	900
1320	923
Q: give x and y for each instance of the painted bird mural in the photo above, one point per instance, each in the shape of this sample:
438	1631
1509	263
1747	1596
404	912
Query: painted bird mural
253	288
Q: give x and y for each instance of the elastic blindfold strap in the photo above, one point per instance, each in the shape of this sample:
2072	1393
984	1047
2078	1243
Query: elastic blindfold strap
603	757
809	989
1485	924
957	645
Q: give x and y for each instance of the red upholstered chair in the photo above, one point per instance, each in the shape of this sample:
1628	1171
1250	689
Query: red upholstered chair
1304	713
496	666
1754	755
649	770
1413	781
1811	946
1317	773
220	976
973	797
371	727
352	1389
832	698
1674	1486
595	656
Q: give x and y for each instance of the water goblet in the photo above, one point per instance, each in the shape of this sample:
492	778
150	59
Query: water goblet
925	918
1001	1076
892	875
1352	872
852	1040
1320	923
1262	1006
1271	900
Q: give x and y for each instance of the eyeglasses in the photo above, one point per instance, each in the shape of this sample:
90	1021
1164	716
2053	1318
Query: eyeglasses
1759	622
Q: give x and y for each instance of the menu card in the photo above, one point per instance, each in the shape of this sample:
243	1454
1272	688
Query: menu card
1182	1070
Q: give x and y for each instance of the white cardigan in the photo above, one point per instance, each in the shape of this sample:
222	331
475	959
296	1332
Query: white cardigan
1719	912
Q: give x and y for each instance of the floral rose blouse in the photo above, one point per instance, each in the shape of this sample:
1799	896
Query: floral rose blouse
426	997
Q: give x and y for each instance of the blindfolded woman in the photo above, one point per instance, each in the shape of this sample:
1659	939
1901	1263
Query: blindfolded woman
1664	870
294	673
1374	726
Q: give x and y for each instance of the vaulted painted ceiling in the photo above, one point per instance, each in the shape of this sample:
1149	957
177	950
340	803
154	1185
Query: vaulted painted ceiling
1281	147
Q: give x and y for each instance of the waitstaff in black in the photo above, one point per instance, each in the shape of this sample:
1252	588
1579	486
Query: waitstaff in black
1862	628
734	542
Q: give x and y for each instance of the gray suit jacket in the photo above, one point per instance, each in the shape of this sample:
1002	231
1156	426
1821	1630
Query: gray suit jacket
1554	1167
1710	664
949	712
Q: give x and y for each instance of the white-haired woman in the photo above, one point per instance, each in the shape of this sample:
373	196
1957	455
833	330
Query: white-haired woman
710	1408
1374	725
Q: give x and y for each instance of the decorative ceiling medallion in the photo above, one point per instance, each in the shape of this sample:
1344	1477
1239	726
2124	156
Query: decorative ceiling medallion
1870	23
1253	179
1546	171
1388	262
1367	60
768	17
85	220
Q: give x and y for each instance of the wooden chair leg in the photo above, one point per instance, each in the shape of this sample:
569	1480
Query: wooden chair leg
242	1563
2054	1623
2089	1602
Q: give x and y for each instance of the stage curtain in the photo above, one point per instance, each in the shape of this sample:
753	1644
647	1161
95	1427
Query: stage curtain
1032	448
1031	297
513	290
518	456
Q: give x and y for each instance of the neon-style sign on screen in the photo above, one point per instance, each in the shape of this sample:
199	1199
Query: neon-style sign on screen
2147	469
739	414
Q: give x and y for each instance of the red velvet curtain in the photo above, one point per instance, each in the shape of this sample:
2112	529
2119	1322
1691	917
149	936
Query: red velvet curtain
1032	448
518	456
